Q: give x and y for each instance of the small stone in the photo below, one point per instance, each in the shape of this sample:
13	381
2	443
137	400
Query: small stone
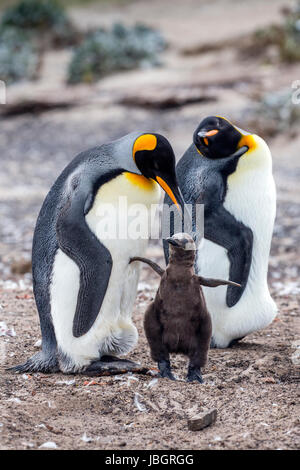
269	380
202	420
48	445
38	343
85	438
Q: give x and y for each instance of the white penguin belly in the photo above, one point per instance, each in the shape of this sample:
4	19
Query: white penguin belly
113	331
251	199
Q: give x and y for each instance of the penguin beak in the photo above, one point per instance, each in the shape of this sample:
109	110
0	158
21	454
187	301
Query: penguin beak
175	195
173	192
173	242
204	133
239	152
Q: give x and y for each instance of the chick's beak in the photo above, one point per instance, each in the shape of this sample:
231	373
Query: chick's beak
173	242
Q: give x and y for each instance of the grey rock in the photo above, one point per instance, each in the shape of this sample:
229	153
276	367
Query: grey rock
202	420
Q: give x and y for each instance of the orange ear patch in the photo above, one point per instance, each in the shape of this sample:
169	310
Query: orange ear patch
247	140
144	142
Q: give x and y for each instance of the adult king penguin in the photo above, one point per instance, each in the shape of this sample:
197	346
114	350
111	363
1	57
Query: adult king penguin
83	283
230	172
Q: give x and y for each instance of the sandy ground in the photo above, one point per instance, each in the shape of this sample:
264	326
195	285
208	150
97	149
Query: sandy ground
255	385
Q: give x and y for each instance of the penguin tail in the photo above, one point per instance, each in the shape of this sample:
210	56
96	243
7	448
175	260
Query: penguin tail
40	362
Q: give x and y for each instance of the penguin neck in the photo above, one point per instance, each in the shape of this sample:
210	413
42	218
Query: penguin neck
180	267
136	189
257	158
147	184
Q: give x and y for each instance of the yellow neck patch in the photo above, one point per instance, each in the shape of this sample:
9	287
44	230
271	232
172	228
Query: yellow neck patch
249	141
256	159
144	142
141	181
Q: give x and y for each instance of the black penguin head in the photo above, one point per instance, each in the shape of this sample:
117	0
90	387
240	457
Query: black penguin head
215	137
155	159
182	248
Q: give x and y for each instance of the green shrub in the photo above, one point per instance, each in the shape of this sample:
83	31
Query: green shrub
276	112
27	29
279	107
290	45
103	52
18	58
285	36
39	17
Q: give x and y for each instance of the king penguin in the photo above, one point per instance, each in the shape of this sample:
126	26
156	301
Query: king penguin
230	171
83	283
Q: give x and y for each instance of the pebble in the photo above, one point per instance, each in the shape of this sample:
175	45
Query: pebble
48	445
202	420
85	438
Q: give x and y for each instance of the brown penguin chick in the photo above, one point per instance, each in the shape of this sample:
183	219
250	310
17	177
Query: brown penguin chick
177	321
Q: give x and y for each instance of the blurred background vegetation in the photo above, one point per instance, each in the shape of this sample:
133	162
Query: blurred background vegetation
47	24
30	28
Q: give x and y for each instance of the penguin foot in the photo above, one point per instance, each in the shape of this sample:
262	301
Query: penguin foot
109	366
40	362
165	370
108	358
166	375
194	375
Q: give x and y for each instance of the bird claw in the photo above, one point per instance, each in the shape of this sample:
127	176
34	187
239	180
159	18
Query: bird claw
167	375
194	375
165	370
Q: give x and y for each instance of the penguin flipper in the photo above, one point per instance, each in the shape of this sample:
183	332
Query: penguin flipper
222	228
153	265
208	282
78	242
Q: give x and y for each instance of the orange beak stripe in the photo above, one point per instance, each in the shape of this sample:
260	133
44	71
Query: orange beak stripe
167	189
211	133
